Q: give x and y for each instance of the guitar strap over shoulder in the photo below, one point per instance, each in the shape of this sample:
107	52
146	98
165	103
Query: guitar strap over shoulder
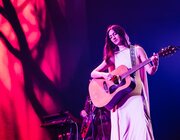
133	56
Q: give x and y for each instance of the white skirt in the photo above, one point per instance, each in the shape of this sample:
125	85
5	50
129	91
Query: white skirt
129	122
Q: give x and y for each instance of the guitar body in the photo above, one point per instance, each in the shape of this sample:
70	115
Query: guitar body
85	126
105	93
87	121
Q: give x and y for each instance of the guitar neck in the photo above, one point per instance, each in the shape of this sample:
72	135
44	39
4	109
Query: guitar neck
135	68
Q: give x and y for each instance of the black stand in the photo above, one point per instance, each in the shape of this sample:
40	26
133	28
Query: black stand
64	124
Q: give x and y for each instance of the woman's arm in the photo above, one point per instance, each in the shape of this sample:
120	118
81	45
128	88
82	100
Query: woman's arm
98	72
150	68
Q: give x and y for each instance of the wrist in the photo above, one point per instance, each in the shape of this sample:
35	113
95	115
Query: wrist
155	67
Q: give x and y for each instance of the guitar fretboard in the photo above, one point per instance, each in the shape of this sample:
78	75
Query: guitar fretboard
135	68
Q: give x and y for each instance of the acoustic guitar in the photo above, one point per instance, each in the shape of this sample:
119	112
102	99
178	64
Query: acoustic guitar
87	122
107	93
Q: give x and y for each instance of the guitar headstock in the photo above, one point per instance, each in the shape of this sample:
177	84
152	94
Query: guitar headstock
170	50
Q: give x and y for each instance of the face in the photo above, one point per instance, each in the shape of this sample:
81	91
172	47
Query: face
115	38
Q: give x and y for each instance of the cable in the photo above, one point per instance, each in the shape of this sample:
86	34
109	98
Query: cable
77	134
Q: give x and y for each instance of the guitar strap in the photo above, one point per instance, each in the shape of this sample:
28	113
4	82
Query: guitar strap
146	102
133	58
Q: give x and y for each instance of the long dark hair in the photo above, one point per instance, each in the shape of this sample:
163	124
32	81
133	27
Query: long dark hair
109	47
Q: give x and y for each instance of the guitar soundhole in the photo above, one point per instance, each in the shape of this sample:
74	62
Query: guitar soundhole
115	86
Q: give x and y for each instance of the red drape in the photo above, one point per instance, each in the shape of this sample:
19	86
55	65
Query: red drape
18	117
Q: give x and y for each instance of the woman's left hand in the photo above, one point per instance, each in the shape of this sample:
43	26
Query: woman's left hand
155	59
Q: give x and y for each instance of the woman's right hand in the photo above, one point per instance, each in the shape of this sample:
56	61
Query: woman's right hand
107	76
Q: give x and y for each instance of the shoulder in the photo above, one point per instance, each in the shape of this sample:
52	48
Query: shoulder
139	50
138	47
